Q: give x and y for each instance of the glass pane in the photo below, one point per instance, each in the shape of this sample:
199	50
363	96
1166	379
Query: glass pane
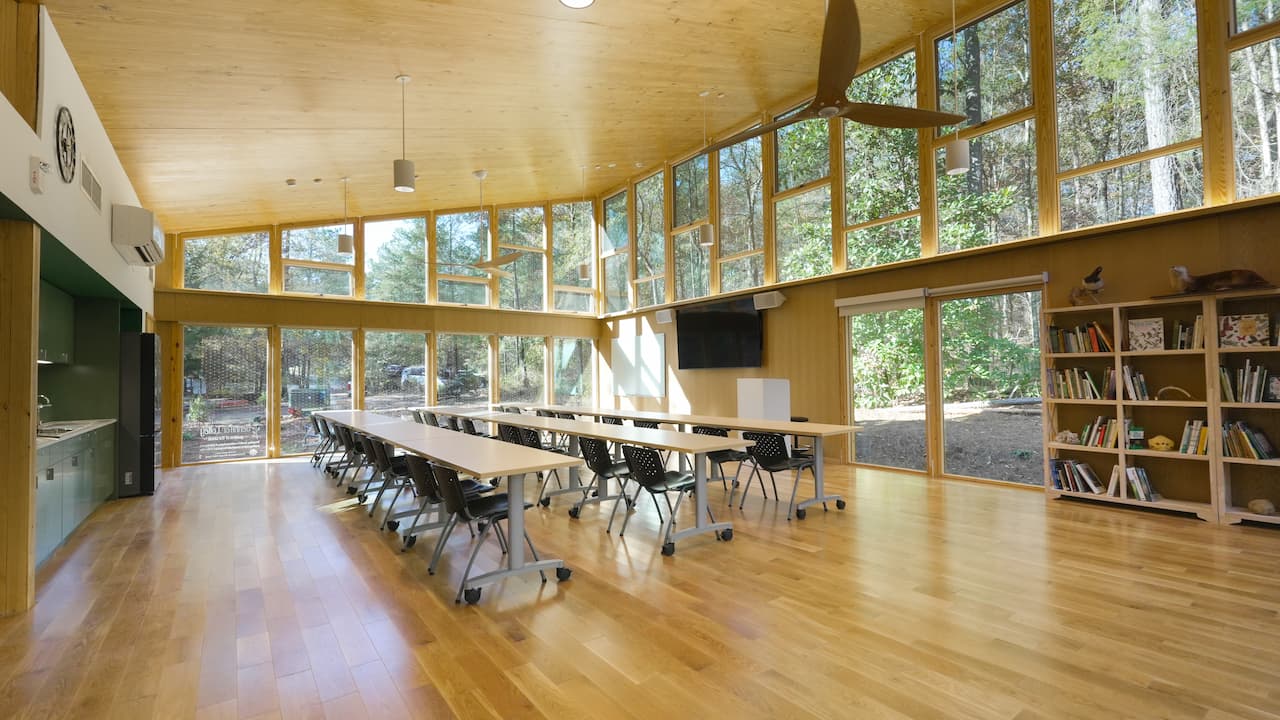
462	240
615	283
315	374
1254	13
693	264
394	370
991	387
1126	78
616	233
993	56
651	234
462	369
741	198
524	289
882	165
1255	99
522	364
804	234
691	201
395	260
651	292
570	242
880	244
322	281
567	301
803	153
224	386
742	273
573	371
317	244
240	263
462	292
886	380
526	226
996	201
1149	187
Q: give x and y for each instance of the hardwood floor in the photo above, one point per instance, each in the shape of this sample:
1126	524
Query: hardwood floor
259	590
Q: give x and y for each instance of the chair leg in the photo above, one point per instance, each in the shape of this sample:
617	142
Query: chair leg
671	526
394	497
794	488
534	552
502	536
755	472
774	480
471	561
440	543
622	495
382	488
542	489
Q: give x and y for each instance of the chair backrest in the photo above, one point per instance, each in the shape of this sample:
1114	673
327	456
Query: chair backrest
370	450
646	465
544	413
424	481
652	425
708	430
566	416
357	442
429	418
455	501
769	448
530	438
512	409
324	426
382	453
596	453
469	426
611	420
417	416
315	424
452	423
510	433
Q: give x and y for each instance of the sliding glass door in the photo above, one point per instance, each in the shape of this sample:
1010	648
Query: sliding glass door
887	388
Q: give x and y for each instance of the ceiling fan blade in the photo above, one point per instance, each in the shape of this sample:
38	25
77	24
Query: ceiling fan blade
893	116
841	45
500	260
759	130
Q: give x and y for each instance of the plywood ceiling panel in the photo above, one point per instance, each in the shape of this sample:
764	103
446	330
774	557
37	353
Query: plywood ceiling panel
211	106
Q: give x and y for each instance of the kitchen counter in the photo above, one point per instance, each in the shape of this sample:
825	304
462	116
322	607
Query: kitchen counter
79	427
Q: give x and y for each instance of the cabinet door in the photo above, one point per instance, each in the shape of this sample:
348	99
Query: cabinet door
48	512
105	476
57	324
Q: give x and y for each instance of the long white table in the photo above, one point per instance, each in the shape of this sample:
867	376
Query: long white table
691	444
480	458
816	431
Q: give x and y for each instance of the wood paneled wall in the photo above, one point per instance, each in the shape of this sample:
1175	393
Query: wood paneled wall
19	56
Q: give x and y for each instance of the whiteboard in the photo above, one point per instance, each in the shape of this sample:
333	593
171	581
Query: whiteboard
640	365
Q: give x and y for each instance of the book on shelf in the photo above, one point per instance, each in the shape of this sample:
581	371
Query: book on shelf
1241	440
1189	337
1090	337
1101	433
1247	330
1079	384
1146	334
1074	476
1195	438
1140	485
1252	383
1113	485
1135	384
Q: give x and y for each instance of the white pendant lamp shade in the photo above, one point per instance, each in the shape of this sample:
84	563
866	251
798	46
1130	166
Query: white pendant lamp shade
404	172
346	244
584	271
957	157
577	4
707	235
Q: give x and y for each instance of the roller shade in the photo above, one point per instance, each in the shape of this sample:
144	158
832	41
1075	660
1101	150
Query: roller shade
881	302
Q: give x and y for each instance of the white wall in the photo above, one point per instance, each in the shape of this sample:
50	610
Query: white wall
63	209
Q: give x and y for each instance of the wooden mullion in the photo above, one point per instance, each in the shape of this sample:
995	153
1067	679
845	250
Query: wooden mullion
926	96
1043	98
1214	21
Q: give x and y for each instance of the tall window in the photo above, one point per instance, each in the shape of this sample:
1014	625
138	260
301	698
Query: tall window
462	240
462	369
802	234
395	370
571	369
692	195
651	242
887	387
224	393
238	263
312	262
522	232
1126	85
741	198
395	260
315	374
997	200
882	172
804	152
570	254
521	368
1255	101
615	244
693	264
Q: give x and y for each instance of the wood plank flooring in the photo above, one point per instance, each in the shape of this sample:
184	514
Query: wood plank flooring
258	590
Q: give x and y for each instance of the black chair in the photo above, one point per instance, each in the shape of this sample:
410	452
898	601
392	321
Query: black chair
652	425
417	416
325	443
451	423
798	450
770	454
469	427
613	447
355	459
429	418
488	510
647	470
380	475
566	416
544	413
428	494
394	470
720	457
533	439
510	433
600	462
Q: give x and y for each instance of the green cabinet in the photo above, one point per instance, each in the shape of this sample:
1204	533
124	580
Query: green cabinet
73	477
57	325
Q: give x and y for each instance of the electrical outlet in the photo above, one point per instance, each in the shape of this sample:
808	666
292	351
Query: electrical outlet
128	478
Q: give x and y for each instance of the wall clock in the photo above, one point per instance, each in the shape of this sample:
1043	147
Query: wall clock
65	143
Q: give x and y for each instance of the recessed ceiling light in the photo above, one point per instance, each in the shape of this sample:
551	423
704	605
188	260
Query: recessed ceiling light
639	164
613	165
318	180
577	4
291	182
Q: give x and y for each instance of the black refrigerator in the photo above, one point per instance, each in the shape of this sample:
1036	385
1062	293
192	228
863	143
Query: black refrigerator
137	430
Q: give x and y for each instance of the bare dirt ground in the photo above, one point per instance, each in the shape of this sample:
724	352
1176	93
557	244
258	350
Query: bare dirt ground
981	440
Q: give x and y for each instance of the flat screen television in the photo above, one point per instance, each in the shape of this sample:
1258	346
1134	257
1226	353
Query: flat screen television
720	335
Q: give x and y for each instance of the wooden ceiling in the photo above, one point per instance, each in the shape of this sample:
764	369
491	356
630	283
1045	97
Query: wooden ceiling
212	105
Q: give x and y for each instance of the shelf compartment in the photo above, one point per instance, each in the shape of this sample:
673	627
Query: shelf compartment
1237	515
1084	448
1166	403
1168	455
1204	511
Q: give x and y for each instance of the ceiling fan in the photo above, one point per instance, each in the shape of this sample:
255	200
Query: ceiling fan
493	266
837	66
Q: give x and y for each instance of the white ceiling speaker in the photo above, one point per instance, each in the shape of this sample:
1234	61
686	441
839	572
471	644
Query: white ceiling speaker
768	300
664	316
402	169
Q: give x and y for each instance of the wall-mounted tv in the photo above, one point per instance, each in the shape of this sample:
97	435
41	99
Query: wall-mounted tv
720	335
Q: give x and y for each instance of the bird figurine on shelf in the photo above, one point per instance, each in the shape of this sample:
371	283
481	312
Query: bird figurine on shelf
1184	282
1090	286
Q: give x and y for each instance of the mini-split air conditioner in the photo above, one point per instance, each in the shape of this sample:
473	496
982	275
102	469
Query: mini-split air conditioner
136	236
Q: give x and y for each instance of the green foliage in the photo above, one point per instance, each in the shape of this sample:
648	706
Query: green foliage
396	267
741	198
198	411
462	239
521	366
239	263
572	370
693	265
803	153
691	201
571	242
651	245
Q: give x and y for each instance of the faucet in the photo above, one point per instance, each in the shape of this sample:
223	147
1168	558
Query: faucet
42	402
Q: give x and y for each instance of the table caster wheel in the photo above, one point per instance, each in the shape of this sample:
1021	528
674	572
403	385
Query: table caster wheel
410	541
574	512
840	504
800	513
393	525
361	498
595	493
563	573
494	482
471	595
545	502
669	549
726	535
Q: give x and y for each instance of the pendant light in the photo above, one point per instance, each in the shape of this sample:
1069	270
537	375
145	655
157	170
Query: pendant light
480	175
584	267
346	243
706	233
957	151
402	169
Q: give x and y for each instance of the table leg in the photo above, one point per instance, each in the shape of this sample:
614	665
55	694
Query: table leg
819	487
684	459
722	530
